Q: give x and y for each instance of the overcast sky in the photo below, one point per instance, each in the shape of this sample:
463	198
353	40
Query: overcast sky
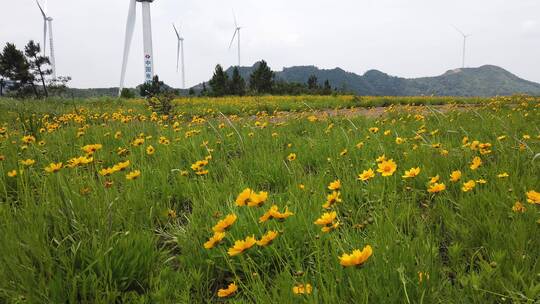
408	38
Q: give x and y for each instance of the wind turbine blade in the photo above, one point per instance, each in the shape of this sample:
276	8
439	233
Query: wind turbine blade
176	31
232	40
41	9
127	43
460	31
234	16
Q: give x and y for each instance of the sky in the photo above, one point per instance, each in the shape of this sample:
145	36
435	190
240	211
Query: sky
406	38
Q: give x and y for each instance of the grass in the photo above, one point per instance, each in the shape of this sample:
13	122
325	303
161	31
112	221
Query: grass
76	236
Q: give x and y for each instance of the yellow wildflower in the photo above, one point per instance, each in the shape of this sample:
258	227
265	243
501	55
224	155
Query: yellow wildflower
242	245
357	258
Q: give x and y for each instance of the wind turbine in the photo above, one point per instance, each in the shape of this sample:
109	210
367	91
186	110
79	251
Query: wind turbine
236	31
465	36
180	51
47	23
147	38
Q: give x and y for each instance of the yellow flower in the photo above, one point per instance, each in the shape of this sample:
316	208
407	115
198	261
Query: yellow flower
436	188
90	149
359	145
357	258
344	152
331	199
399	140
481	181
373	129
12	173
476	163
231	289
381	158
121	166
503	175
28	162
107	171
455	176
28	139
225	223
137	142
267	239
335	185
291	157
434	179
387	167
242	245
519	208
250	198
150	150
273	213
214	240
413	172
53	168
468	186
133	175
328	221
301	289
366	175
533	197
201	172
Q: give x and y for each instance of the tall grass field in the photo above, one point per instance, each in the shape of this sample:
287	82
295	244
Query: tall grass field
271	200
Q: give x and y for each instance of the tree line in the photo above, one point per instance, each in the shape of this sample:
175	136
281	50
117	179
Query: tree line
261	81
26	72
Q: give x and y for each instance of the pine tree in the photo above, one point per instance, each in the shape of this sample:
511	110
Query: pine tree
313	83
14	66
37	63
261	80
219	82
327	88
238	85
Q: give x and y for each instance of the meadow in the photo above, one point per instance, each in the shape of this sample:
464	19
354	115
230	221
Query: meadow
271	199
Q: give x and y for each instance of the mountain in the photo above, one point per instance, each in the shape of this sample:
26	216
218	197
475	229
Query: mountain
487	80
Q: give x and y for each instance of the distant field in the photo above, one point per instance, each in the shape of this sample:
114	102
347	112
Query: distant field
103	201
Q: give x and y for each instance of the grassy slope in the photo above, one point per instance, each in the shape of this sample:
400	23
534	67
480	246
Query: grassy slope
118	244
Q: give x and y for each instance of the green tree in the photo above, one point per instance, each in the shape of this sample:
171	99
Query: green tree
313	83
327	88
127	93
237	85
37	64
14	66
261	80
219	82
152	88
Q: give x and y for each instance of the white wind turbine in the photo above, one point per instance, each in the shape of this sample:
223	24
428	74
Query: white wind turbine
47	23
465	36
180	53
147	38
236	31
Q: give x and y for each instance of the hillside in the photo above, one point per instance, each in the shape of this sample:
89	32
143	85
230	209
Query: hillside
487	80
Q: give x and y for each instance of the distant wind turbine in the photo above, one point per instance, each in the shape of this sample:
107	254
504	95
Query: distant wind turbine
465	36
47	23
147	40
180	53
236	31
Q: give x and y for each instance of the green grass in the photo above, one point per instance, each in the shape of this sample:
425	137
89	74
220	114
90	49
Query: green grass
67	238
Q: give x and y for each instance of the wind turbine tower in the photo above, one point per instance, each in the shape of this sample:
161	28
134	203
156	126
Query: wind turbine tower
237	29
180	53
147	38
465	36
47	23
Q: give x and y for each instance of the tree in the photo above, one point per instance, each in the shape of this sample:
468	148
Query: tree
219	82
204	91
58	86
313	83
261	80
237	85
327	88
127	93
191	92
37	64
14	66
152	88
